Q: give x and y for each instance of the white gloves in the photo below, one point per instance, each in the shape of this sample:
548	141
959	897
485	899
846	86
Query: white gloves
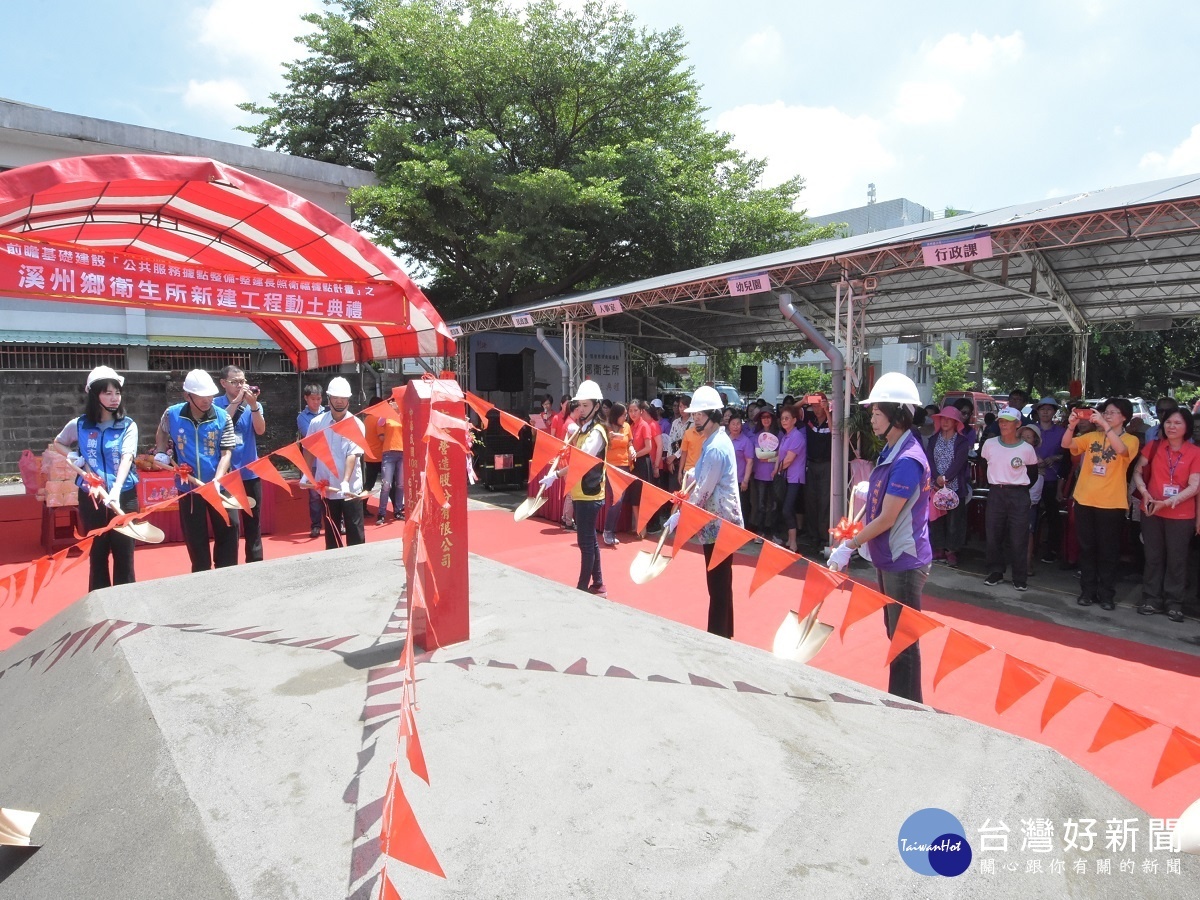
839	557
344	487
303	481
672	521
549	479
162	459
75	458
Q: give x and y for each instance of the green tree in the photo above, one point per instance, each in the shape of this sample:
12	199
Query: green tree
950	372
808	380
522	154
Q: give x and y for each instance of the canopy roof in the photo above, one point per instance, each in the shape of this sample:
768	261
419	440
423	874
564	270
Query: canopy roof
187	210
1097	260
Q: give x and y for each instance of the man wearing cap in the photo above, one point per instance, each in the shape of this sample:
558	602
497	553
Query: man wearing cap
343	498
202	439
312	409
1011	469
1051	459
242	405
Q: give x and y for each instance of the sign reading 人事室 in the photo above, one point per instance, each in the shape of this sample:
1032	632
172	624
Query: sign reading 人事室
96	275
961	249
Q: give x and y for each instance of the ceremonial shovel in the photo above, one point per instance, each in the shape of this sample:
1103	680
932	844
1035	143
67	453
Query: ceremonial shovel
530	505
648	566
139	531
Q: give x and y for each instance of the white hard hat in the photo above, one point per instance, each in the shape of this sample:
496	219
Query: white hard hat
893	387
588	390
200	383
339	387
705	399
101	373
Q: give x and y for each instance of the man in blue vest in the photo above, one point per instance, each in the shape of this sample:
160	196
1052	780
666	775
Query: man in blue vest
312	409
241	403
343	497
202	438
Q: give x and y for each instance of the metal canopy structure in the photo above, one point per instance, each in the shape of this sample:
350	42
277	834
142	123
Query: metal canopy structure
1096	260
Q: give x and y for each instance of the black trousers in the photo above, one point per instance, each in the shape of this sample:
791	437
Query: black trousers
118	546
195	517
816	502
1164	577
371	472
764	505
349	512
251	524
1007	524
586	513
720	594
1098	532
1050	514
904	677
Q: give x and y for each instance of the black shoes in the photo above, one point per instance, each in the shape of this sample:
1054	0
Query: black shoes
1147	609
994	579
1085	601
1021	587
1175	615
315	531
1108	605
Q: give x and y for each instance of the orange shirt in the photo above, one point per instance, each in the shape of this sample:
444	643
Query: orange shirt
374	446
618	446
393	433
689	450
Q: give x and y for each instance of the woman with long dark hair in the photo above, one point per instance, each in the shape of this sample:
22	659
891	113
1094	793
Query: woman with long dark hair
793	447
621	455
107	442
588	495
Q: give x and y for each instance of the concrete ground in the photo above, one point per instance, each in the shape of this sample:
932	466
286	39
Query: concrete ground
228	735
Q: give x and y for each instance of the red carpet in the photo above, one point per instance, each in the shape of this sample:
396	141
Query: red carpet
1156	683
1160	684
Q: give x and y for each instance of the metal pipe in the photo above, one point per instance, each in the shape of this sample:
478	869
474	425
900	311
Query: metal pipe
837	449
562	364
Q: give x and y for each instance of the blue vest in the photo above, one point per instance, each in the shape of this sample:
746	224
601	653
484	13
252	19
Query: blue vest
101	448
246	450
906	544
197	445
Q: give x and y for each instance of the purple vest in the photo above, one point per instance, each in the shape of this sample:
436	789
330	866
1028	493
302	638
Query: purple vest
906	544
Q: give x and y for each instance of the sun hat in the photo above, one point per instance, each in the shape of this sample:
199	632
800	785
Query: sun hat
1009	414
949	412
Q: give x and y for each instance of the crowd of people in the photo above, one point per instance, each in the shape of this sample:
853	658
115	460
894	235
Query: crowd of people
212	432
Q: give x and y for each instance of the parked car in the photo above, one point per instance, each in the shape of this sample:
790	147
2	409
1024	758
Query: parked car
984	404
730	395
1142	411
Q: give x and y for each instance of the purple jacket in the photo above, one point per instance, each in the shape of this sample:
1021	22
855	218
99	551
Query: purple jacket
958	467
906	544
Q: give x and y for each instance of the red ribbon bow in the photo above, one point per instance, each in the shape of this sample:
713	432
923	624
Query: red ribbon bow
678	497
845	530
184	470
93	480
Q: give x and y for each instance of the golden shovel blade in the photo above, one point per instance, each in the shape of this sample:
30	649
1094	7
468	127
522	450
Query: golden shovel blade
142	531
648	566
529	506
232	503
801	640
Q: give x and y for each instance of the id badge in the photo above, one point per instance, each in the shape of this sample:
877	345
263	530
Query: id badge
1170	490
1099	469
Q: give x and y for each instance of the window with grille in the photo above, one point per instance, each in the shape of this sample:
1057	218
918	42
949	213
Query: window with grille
167	360
60	356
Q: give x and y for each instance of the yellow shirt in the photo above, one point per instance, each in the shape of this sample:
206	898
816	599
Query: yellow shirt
689	450
1102	483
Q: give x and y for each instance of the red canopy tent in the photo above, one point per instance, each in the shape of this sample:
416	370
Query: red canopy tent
197	236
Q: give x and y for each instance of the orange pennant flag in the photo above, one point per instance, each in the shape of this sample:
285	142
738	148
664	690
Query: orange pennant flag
212	496
350	429
318	445
910	627
545	448
691	519
1061	693
387	890
42	569
1180	754
434	485
1017	679
292	453
730	539
398	393
266	470
511	423
380	409
232	482
6	590
959	650
772	559
580	464
413	751
443	427
653	497
85	548
18	581
401	837
481	407
1119	723
819	583
863	602
619	479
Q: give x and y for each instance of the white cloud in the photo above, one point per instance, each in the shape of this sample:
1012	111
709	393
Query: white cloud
1183	159
976	53
254	35
763	49
924	102
217	98
837	154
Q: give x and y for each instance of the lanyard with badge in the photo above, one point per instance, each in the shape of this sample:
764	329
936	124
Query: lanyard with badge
1170	489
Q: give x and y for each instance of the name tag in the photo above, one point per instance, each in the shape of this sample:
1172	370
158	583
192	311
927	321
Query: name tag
1170	490
1099	469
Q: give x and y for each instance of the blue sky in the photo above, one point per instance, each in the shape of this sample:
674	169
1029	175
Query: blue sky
948	104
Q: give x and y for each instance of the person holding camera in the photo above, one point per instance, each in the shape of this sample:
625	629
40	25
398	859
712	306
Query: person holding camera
1101	495
240	402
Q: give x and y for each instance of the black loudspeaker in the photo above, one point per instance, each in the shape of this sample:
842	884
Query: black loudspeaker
487	371
749	382
510	373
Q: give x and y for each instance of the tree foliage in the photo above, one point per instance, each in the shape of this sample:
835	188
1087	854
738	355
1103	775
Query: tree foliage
522	154
808	380
950	372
